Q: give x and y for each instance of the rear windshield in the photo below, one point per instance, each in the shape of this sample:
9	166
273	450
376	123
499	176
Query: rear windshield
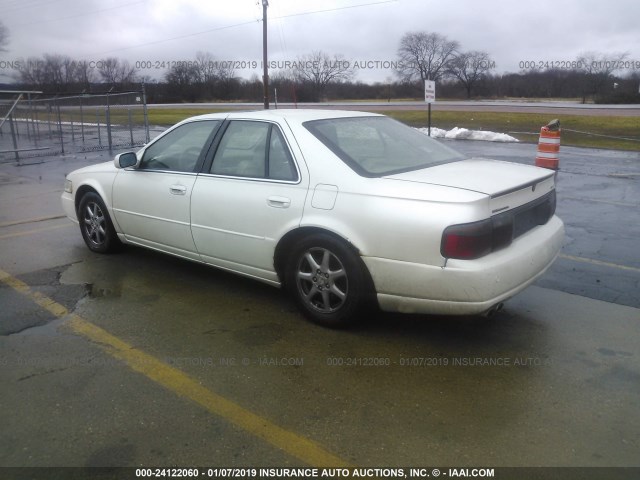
379	146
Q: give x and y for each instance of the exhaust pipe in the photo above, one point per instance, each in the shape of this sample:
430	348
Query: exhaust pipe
493	310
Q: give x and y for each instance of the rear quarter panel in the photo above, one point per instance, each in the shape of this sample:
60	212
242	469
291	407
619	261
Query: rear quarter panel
383	217
393	227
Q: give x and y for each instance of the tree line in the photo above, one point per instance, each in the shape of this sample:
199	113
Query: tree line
319	76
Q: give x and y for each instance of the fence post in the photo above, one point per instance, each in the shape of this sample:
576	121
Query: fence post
49	120
145	113
81	120
13	138
130	125
73	136
30	126
37	123
99	132
55	100
33	120
108	121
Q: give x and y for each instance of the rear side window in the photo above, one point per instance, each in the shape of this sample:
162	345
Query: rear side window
281	166
378	146
180	149
254	150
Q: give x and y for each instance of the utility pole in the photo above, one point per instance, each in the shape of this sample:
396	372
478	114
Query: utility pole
265	74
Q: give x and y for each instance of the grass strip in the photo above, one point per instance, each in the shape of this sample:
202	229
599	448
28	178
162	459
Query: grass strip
523	126
516	123
502	122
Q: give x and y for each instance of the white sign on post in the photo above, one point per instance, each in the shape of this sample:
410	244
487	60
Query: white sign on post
429	91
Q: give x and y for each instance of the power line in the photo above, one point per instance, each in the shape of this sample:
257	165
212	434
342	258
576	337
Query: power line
179	37
80	14
19	5
188	35
335	9
283	43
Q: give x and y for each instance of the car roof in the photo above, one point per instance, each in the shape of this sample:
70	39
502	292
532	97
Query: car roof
296	115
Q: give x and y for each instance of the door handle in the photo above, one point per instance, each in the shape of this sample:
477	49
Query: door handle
279	202
178	189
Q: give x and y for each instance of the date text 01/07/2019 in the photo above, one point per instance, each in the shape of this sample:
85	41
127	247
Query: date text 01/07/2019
170	64
313	472
579	64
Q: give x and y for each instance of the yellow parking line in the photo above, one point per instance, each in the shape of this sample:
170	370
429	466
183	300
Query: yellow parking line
599	262
45	302
36	230
183	385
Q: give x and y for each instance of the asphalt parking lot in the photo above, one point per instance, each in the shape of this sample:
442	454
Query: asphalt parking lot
140	359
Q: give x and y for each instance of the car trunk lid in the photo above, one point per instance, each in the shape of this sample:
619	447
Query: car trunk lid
509	185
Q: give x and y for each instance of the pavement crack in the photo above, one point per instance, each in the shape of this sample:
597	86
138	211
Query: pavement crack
40	374
31	220
47	328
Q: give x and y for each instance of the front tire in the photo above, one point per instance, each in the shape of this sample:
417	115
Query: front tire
96	226
327	280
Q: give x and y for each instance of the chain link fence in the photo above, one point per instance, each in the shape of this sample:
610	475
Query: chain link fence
32	125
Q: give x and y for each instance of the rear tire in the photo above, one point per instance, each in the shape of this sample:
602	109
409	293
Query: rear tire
327	280
96	226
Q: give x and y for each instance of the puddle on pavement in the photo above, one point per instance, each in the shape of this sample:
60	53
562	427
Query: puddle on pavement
100	291
6	179
100	280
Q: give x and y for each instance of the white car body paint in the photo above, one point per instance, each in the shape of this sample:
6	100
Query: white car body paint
395	222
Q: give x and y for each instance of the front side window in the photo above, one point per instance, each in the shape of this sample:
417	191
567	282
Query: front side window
378	146
254	150
180	149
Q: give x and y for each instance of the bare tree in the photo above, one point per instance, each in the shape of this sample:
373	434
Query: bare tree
183	74
226	72
598	68
319	70
4	37
425	56
55	71
84	74
116	72
470	67
216	76
183	81
31	71
207	67
61	70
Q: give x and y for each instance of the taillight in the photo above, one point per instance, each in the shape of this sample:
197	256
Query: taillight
467	241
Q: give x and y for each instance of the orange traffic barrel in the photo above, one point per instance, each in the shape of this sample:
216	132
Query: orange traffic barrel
549	146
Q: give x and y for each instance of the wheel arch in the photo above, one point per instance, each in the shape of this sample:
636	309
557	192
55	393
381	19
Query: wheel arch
110	241
98	190
287	242
81	192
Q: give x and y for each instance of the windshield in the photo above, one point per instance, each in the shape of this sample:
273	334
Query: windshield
379	146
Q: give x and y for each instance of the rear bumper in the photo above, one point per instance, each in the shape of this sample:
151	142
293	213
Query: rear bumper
467	287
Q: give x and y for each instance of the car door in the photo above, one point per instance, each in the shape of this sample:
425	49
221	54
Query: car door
250	195
151	203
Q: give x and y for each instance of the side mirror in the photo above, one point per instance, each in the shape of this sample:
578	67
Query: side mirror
124	160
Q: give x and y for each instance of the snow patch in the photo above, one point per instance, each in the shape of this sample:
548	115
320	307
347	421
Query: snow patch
464	134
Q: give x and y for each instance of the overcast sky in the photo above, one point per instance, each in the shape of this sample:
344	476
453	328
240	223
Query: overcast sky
152	31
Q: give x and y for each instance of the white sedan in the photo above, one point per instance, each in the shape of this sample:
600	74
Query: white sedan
344	209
